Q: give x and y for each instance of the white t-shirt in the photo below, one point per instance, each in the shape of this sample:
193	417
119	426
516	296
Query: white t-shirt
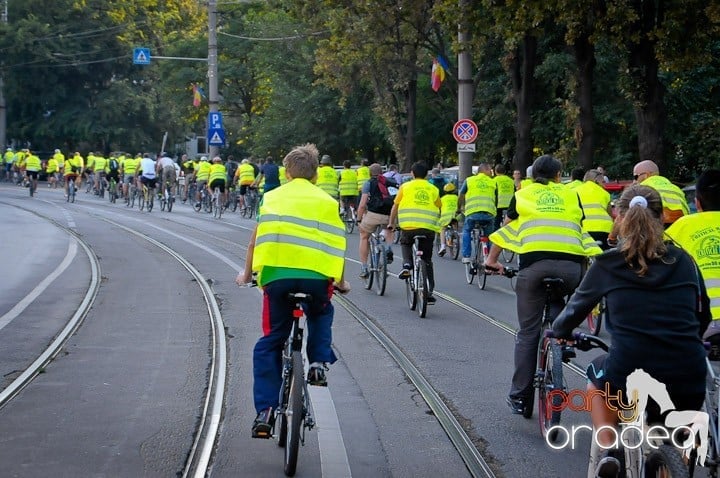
165	162
147	165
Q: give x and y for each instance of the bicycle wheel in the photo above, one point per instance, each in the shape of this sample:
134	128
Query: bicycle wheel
233	202
150	201
666	461
295	414
596	316
197	205
72	195
133	197
380	269
454	245
410	294
422	290
550	380
470	270
215	208
171	201
163	203
480	269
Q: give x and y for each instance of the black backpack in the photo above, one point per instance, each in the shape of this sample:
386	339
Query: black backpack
380	200
113	164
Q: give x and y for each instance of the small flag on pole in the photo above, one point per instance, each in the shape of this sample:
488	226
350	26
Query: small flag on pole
196	96
437	74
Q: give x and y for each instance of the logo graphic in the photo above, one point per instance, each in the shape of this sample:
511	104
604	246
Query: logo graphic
709	248
639	386
548	201
422	197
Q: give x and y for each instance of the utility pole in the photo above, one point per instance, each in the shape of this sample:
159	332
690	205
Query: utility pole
3	106
465	88
212	67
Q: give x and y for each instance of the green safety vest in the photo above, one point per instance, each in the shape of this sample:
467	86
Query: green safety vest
299	228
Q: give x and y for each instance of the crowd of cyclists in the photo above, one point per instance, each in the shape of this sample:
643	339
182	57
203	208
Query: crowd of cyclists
552	227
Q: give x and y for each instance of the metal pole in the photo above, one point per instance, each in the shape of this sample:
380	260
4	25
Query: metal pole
3	106
212	66
465	89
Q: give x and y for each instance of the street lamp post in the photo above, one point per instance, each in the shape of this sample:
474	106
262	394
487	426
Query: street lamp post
212	67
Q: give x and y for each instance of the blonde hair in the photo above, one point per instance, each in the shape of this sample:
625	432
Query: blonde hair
302	162
641	229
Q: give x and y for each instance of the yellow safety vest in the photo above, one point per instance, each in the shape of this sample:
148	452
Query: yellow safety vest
32	163
90	161
299	228
100	163
245	174
348	182
506	189
699	235
447	211
9	155
20	158
52	165
281	174
363	174
217	171
595	201
672	196
60	158
549	220
574	184
417	209
130	165
480	195
327	180
203	172
525	183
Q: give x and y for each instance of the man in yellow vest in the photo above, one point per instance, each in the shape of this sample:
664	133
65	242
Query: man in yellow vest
528	178
327	177
363	174
478	195
32	166
201	178
348	186
673	199
298	245
505	191
127	170
245	177
417	209
546	231
576	178
53	170
8	159
217	178
595	201
699	235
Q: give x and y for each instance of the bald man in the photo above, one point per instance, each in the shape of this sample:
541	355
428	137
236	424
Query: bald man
673	199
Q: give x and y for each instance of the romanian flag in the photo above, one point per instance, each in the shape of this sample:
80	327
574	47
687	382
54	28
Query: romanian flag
437	75
196	96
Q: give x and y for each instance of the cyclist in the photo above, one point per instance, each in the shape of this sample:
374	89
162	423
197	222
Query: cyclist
417	207
348	187
128	169
217	178
32	165
269	176
376	203
231	165
298	225
657	312
577	176
448	212
8	158
673	199
146	173
73	170
437	180
113	169
165	169
479	196
392	173
595	201
505	191
546	231
363	174
327	177
100	166
245	176
60	158
202	174
52	169
698	235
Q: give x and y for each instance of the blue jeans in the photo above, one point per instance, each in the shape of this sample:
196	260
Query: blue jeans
277	322
484	220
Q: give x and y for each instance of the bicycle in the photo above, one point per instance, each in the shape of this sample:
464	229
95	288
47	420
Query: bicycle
250	204
233	199
349	218
112	190
31	186
132	195
417	286
216	206
646	455
480	252
452	241
377	263
598	315
71	189
147	198
167	199
204	203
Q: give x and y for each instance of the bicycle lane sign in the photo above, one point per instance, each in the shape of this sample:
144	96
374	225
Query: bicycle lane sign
465	131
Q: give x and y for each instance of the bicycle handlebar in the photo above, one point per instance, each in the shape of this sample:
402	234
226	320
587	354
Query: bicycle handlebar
583	341
508	272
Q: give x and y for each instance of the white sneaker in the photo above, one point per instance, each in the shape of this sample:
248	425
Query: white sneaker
466	260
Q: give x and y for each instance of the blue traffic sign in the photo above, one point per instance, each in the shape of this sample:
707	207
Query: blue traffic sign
141	56
216	137
215	120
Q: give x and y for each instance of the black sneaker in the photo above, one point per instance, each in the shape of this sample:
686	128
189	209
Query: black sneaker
431	299
364	273
316	376
608	466
389	256
263	425
442	252
518	406
405	273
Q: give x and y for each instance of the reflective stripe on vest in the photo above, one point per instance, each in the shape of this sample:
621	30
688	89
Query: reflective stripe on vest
595	201
217	171
327	180
203	172
363	174
348	183
447	211
417	209
32	163
505	190
672	196
480	195
698	234
299	228
548	221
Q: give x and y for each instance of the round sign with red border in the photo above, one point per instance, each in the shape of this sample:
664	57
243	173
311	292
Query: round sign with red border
465	131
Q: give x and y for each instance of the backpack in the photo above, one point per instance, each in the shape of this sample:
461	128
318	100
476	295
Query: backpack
382	194
113	164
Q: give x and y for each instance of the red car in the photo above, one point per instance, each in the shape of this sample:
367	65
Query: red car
615	188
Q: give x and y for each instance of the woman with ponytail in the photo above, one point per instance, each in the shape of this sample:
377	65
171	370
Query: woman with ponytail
657	312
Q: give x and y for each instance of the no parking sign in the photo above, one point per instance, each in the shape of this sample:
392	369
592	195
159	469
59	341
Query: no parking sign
465	131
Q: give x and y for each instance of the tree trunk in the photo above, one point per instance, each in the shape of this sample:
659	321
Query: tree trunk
522	74
585	59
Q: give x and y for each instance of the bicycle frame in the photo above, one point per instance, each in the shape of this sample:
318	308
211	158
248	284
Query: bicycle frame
712	407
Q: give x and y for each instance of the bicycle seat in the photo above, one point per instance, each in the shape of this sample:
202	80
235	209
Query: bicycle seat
299	296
